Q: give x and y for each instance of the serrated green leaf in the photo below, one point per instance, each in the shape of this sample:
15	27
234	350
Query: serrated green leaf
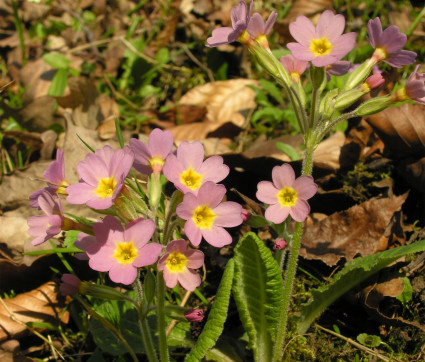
353	273
258	292
59	82
288	150
57	60
214	326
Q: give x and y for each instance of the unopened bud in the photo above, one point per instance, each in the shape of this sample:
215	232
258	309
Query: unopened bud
246	215
154	189
372	82
194	315
374	105
279	244
359	74
347	98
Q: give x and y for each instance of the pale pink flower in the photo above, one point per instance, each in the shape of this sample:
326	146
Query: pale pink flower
323	44
178	265
151	158
388	44
286	195
194	315
256	26
102	176
55	177
206	216
70	284
188	171
240	19
120	251
414	88
44	227
293	66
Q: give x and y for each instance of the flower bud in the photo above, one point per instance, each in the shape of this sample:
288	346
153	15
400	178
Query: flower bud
372	82
246	215
346	99
318	77
154	189
194	315
374	105
70	284
279	244
359	74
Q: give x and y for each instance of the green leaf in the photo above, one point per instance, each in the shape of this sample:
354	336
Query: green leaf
57	60
272	113
214	326
288	150
353	273
59	82
407	294
369	340
272	89
70	237
258	292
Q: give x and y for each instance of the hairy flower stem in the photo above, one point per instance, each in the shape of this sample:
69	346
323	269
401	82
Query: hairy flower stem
291	268
160	296
143	323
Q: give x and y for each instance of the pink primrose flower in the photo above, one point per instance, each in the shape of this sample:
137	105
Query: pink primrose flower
240	20
44	227
194	315
286	195
414	88
256	26
338	68
178	265
70	284
102	176
324	44
206	216
388	44
188	171
293	66
55	176
120	251
151	158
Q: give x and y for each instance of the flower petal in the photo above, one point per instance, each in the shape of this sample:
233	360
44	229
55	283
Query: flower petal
330	25
229	214
210	194
148	255
276	213
189	280
213	169
301	52
170	278
300	211
190	154
302	30
267	192
195	258
305	187
123	273
192	232
283	176
186	208
140	231
217	236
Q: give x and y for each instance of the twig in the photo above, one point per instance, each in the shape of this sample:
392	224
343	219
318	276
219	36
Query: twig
358	345
196	61
182	304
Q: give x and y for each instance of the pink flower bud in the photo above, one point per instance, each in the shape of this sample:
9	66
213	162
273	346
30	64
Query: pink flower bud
372	82
279	244
194	315
246	215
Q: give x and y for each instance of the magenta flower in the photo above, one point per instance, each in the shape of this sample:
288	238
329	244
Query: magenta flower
194	315
178	265
293	66
151	158
414	88
372	82
388	44
286	195
206	216
102	176
188	171
44	227
240	19
70	284
324	44
279	244
55	176
120	251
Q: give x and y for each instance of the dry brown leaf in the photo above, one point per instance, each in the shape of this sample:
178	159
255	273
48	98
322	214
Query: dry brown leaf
308	8
226	101
39	305
361	230
192	131
402	129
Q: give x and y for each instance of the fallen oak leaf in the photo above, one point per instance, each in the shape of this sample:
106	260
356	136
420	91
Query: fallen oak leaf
361	230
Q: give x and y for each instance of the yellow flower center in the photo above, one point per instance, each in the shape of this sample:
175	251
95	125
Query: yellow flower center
401	95
203	217
125	252
106	187
320	47
244	38
191	179
379	54
62	189
156	161
287	196
176	262
295	76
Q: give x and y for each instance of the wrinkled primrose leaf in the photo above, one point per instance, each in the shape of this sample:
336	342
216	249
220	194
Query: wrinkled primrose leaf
353	273
369	340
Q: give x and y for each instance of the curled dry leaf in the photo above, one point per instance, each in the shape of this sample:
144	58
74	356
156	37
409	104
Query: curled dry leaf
226	101
361	230
39	305
402	129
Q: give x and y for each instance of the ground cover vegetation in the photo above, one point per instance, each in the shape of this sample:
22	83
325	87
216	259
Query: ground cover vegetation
199	180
